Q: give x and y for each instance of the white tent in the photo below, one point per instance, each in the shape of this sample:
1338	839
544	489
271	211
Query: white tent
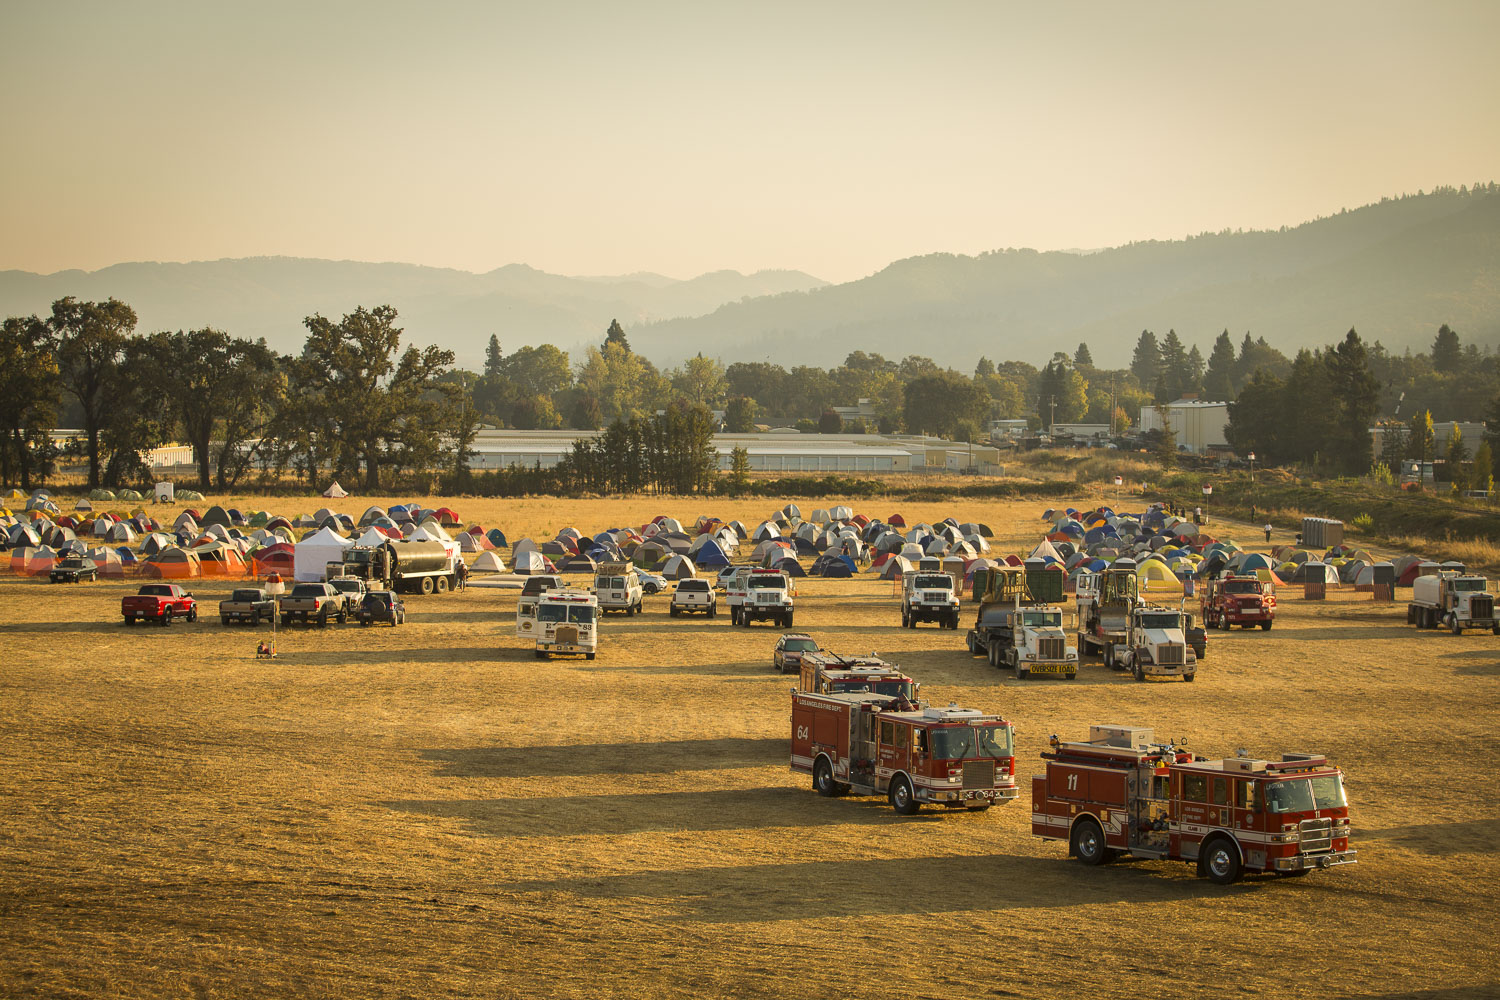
336	491
372	538
311	556
488	562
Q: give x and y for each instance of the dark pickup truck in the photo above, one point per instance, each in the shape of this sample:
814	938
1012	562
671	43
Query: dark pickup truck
73	570
252	606
159	602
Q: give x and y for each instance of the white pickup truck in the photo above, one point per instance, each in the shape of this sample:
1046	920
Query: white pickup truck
693	596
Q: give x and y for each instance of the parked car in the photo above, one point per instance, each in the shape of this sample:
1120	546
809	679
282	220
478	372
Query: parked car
250	605
381	606
73	569
651	583
787	656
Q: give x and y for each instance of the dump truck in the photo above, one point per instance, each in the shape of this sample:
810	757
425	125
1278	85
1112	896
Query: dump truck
407	566
1105	600
1019	622
1455	601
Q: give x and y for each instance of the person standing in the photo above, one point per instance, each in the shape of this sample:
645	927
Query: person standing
1268	531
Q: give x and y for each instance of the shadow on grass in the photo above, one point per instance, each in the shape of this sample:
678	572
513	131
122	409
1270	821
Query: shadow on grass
608	758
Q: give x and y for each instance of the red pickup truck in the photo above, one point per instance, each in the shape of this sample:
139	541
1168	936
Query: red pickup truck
159	602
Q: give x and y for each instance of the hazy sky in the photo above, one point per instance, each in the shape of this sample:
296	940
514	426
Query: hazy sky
682	138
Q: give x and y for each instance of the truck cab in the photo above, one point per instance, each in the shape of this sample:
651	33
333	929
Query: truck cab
531	592
618	588
760	595
353	590
1238	600
928	597
567	621
1156	645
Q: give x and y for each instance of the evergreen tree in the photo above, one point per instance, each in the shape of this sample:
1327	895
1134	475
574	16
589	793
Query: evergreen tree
1172	376
1145	364
1457	454
1421	443
494	358
1356	401
985	367
1446	355
1218	380
1082	356
1194	383
616	335
1062	393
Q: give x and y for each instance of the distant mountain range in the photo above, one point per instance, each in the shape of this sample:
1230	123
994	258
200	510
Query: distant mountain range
1395	271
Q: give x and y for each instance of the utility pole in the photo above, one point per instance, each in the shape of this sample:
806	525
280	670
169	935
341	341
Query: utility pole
1051	413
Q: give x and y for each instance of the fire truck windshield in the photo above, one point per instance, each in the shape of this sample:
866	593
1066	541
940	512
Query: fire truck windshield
1042	619
1326	791
582	614
1242	587
941	581
957	742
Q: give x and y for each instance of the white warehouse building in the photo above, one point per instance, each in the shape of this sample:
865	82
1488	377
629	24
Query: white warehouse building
1198	424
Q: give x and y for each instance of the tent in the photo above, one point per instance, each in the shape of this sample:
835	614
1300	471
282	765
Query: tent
710	554
335	491
172	564
895	567
315	552
488	562
678	567
576	564
532	562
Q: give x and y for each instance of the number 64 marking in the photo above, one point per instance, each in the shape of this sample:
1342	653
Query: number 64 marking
801	732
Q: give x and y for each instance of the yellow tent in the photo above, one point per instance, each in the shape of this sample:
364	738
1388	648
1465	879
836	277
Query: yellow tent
1154	577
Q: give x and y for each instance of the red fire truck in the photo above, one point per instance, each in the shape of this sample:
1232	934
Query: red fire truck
1238	600
1120	791
829	673
872	744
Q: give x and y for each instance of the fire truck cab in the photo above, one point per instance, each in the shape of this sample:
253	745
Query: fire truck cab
870	744
567	621
828	673
1120	791
1238	600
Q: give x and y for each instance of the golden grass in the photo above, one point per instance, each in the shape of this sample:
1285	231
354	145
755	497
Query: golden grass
429	810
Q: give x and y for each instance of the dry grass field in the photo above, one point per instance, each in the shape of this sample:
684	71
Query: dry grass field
430	811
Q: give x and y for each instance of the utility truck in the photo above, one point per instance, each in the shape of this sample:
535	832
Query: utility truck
1455	601
757	594
1019	623
1105	600
871	744
928	596
404	565
1120	791
1155	645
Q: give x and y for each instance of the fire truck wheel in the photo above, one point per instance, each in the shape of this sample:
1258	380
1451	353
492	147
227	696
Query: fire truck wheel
902	800
823	782
1496	630
1088	842
1220	862
1072	676
1265	626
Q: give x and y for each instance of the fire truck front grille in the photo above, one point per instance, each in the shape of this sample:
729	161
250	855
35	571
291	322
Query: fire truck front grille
979	774
1052	648
1482	607
1171	656
1317	835
567	634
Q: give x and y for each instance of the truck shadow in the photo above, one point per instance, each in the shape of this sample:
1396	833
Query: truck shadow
736	668
344	656
1475	836
1474	662
608	758
884	887
657	812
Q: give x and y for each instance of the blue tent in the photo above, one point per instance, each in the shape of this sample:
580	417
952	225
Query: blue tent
497	538
789	566
709	554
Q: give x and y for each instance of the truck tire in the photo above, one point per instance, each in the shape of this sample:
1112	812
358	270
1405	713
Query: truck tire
1022	673
823	782
166	618
323	618
1109	657
905	618
192	614
902	800
672	611
1411	614
1087	842
713	611
130	620
1140	674
343	616
1220	862
224	620
1455	625
426	585
588	656
993	655
1265	626
790	617
442	585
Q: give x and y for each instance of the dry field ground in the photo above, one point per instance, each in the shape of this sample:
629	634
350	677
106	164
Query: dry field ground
430	811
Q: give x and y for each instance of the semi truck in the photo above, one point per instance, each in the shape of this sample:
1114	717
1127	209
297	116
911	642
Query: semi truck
407	566
1455	601
1121	792
1156	644
1019	622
